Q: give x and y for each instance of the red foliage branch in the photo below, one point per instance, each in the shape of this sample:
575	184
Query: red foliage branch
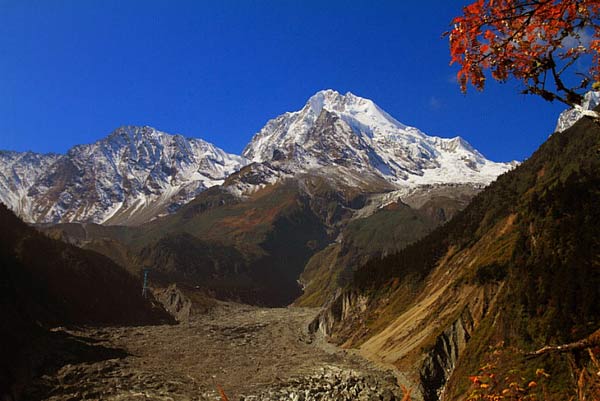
534	41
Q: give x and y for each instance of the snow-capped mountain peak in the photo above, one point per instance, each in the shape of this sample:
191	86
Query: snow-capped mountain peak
371	140
130	176
361	114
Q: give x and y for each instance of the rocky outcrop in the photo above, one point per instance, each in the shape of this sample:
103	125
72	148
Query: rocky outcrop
345	305
569	117
421	330
175	302
432	371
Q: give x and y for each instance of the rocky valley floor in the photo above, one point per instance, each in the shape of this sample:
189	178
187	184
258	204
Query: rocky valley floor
251	353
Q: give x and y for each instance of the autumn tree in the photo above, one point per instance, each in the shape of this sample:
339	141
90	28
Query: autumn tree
551	46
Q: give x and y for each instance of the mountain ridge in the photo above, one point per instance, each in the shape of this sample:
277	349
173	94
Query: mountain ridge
136	174
132	175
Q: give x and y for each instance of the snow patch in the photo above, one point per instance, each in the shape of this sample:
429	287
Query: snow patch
567	118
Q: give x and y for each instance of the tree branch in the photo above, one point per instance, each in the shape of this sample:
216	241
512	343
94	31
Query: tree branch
593	340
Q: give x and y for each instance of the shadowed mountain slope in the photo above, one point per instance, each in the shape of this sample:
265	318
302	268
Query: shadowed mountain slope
44	283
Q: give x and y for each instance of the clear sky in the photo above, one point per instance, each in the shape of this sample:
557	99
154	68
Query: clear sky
73	71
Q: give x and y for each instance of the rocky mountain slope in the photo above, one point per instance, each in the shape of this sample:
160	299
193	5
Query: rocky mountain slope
513	272
129	177
18	173
569	117
392	225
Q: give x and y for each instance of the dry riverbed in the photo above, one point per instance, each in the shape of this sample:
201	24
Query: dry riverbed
252	353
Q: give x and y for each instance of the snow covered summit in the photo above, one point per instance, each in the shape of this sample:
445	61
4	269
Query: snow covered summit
353	132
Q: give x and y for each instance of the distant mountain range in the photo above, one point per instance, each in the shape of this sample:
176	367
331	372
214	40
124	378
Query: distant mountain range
138	173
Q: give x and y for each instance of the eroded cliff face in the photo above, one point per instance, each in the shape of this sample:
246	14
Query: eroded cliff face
175	302
442	358
428	372
421	327
345	307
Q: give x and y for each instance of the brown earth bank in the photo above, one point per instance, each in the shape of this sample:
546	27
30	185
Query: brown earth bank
253	353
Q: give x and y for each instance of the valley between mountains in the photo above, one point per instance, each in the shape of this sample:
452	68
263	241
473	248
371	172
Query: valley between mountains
253	353
343	255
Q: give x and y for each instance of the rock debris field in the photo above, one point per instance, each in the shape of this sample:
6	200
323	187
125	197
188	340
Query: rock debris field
251	353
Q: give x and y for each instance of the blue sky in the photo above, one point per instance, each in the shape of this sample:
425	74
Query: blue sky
73	71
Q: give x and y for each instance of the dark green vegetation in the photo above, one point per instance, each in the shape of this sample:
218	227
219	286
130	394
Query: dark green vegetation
252	251
387	231
543	269
44	283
